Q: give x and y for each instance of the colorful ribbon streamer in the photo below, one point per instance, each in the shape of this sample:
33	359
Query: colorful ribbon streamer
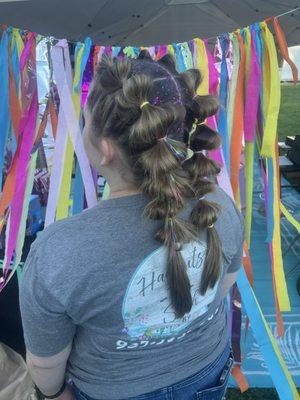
281	377
27	129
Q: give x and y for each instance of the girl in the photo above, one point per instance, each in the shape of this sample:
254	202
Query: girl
128	298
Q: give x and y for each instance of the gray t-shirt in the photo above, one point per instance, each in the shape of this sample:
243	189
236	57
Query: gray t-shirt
98	279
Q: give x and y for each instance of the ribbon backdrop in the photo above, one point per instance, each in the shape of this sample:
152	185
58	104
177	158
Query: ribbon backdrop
243	71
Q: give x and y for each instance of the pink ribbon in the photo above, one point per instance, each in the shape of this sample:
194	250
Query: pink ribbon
213	83
212	72
162	51
216	155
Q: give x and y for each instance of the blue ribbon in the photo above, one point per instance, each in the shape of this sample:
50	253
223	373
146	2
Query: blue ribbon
270	202
260	333
259	49
4	99
179	57
78	191
222	118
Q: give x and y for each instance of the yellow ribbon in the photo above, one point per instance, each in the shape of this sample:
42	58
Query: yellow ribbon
290	218
271	104
201	62
170	50
17	39
279	275
106	192
271	93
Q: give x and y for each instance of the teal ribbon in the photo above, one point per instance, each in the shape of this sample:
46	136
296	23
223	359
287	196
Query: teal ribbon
78	191
116	50
187	55
179	57
16	74
270	200
222	119
87	49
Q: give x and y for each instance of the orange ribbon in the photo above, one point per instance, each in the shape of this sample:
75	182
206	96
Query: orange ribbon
238	375
281	40
53	117
238	123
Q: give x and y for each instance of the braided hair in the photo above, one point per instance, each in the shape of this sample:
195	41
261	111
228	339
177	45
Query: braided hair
149	110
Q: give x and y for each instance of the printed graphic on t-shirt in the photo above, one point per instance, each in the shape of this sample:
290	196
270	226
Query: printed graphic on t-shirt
147	311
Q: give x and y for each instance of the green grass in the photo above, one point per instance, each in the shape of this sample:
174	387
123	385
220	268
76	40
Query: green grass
289	116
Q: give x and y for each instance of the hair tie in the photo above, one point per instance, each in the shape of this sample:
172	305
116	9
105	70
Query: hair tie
178	246
200	152
162	138
192	131
144	104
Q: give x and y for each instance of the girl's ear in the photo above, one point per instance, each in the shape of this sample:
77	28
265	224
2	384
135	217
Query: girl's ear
107	151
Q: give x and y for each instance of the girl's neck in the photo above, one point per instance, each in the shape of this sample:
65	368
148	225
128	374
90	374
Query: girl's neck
123	192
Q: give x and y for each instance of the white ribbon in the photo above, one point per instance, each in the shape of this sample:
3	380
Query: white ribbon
59	153
62	75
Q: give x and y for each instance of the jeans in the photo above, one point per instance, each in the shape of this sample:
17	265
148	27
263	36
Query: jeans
208	384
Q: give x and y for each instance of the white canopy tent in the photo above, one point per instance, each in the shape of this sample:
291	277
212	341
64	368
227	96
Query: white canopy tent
286	73
145	22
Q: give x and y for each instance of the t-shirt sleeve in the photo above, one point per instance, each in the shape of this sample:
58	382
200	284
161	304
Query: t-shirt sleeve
47	327
237	260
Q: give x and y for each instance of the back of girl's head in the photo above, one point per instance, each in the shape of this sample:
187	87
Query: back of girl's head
154	115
